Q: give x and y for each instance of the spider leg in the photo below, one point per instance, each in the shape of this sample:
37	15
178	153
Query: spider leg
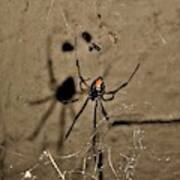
125	83
100	164
104	112
70	101
107	99
52	79
76	118
94	127
82	80
62	126
98	154
40	101
42	121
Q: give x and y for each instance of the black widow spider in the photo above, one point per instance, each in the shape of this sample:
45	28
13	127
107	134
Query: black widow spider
96	92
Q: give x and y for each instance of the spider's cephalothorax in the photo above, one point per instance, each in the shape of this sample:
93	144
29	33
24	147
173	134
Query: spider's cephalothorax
97	88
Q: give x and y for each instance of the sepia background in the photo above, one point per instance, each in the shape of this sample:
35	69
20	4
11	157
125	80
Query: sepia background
129	32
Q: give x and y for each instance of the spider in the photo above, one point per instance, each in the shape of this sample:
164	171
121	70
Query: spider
62	93
97	92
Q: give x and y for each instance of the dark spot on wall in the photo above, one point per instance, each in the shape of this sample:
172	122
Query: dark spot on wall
99	16
67	47
86	36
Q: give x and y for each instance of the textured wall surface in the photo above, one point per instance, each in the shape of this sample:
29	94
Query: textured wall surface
128	32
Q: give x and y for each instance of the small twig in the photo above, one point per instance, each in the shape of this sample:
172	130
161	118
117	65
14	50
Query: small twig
70	155
61	175
84	148
162	38
137	139
129	165
110	163
84	165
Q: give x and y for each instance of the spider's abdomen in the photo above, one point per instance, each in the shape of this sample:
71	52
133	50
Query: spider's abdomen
97	88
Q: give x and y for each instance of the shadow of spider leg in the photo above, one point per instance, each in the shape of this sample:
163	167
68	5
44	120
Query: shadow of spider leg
62	93
62	126
42	121
62	120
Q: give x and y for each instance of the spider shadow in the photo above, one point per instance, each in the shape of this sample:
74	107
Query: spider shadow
62	93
